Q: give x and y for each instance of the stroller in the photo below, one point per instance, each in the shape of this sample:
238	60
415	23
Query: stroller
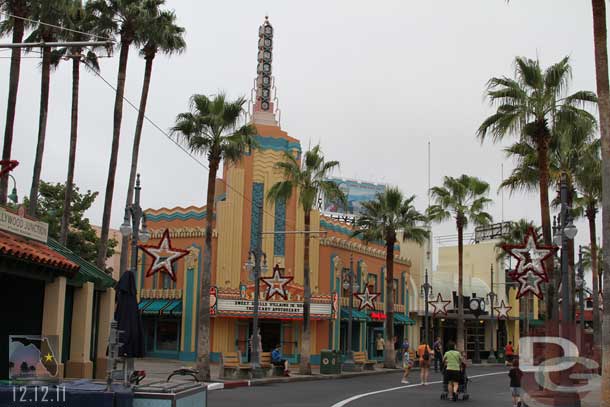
462	393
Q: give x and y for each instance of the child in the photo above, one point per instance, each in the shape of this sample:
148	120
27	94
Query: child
407	364
515	383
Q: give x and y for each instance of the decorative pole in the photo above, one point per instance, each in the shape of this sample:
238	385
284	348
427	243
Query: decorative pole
349	364
426	292
492	303
581	276
565	289
258	253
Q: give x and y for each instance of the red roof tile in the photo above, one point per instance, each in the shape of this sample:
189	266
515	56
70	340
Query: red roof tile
34	251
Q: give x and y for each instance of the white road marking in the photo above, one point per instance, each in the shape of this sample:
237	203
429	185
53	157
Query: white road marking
359	396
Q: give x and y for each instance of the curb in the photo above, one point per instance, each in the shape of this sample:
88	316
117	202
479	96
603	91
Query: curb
263	382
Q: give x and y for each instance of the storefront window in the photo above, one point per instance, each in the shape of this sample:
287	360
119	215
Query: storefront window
167	335
371	281
396	296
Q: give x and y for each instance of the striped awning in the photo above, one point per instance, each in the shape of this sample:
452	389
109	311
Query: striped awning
402	319
356	315
161	307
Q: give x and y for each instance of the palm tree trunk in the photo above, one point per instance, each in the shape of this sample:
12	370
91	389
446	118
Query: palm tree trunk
603	94
571	264
136	151
460	322
389	361
304	366
203	331
42	128
114	152
545	215
594	273
65	216
18	29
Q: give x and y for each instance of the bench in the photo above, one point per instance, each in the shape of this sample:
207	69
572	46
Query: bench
361	359
270	368
231	366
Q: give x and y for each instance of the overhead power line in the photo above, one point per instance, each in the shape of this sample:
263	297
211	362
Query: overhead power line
57	26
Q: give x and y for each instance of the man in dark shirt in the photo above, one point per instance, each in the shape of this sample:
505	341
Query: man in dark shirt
515	375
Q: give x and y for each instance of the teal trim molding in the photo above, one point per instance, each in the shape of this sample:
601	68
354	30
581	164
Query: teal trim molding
348	232
258	190
279	240
176	216
277	144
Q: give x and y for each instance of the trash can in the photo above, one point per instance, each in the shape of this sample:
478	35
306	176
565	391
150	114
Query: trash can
330	362
167	394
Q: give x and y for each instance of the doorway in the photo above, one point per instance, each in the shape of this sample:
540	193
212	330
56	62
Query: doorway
271	334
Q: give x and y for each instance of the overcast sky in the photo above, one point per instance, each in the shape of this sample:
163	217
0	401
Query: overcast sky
373	82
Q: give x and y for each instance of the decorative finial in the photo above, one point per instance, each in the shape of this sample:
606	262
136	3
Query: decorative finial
266	17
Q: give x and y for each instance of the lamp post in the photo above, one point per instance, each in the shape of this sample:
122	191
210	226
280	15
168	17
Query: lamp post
350	285
13	196
134	214
492	302
580	283
426	292
258	255
564	231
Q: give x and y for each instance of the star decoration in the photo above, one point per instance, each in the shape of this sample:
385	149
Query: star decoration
530	270
48	357
503	310
530	282
164	256
439	305
367	299
276	284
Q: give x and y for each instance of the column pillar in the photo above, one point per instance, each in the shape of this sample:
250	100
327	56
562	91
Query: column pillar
79	365
53	316
106	315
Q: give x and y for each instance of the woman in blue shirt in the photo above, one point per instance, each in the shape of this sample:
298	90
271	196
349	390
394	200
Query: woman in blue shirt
277	360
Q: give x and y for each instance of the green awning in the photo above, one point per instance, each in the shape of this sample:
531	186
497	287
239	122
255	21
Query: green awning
402	319
536	322
158	306
356	315
88	273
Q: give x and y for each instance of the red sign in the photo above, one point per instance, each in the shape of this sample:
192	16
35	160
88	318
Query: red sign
378	316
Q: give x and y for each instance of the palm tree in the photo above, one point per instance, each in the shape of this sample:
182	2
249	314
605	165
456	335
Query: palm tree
589	182
80	20
15	25
162	34
210	128
51	13
463	199
126	18
310	179
603	91
380	220
528	108
572	136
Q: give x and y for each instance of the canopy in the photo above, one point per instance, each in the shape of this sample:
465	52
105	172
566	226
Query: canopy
402	319
356	315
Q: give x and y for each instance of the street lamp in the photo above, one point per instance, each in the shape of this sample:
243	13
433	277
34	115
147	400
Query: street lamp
135	214
491	299
13	196
425	293
350	285
580	284
254	264
563	231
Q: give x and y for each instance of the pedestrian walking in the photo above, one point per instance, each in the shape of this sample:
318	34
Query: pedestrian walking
397	352
509	353
453	368
425	355
407	364
515	375
438	353
379	345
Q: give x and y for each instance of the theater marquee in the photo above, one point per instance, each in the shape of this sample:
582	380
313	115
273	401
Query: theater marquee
233	303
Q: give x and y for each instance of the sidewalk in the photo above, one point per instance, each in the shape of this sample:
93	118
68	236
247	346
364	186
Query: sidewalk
160	369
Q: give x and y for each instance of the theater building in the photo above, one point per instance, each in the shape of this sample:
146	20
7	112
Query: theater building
170	307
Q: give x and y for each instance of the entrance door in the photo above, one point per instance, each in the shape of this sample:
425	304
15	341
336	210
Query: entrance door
374	331
242	344
271	334
290	343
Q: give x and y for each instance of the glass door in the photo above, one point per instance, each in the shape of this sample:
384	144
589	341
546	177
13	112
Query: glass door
290	342
242	342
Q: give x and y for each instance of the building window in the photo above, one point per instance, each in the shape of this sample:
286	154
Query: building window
396	292
371	281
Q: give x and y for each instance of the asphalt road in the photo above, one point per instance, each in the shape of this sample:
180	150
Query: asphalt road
491	389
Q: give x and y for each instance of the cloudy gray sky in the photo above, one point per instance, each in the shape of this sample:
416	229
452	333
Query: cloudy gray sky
373	82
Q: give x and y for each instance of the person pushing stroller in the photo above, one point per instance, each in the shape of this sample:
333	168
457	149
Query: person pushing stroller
454	377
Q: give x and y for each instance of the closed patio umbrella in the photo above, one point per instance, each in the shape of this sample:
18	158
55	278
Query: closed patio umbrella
128	317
